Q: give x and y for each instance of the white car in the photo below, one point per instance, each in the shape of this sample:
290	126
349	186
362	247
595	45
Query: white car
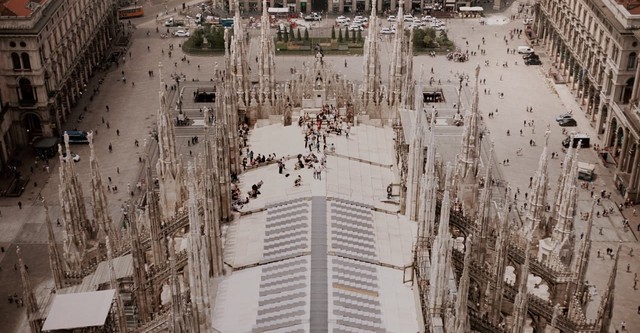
75	157
387	31
355	27
427	18
408	18
342	19
181	33
391	18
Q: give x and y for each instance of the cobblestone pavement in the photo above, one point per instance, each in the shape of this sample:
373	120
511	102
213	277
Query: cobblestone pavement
133	109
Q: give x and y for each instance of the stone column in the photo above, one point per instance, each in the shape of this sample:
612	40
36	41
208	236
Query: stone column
623	151
353	6
634	171
636	82
392	8
340	6
367	5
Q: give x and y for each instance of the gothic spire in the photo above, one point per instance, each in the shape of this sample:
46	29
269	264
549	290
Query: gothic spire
469	156
239	63
27	292
168	166
605	311
371	89
266	60
77	228
101	215
461	323
427	214
521	302
496	286
581	262
483	219
138	256
54	255
399	59
538	194
177	324
122	320
568	195
154	215
416	166
441	255
199	261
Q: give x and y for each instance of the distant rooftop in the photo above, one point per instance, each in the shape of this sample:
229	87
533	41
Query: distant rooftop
19	8
632	6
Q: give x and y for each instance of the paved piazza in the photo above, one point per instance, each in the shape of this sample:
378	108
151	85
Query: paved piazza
133	110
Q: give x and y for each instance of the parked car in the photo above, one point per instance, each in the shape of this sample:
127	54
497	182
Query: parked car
313	17
181	33
387	31
564	116
529	56
533	61
75	157
570	122
408	18
391	18
342	19
355	27
525	49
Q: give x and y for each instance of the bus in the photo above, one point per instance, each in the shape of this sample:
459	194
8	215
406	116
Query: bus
129	12
226	22
76	136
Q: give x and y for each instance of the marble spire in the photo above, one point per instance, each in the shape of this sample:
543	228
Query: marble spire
54	256
461	321
399	62
168	166
581	262
239	62
154	216
557	199
266	60
27	294
469	156
605	310
199	261
567	199
372	75
139	257
427	213
483	216
177	324
416	166
101	215
77	227
122	320
212	204
495	286
535	214
441	255
521	302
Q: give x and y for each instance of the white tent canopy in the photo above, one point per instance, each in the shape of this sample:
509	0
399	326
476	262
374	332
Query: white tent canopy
278	10
471	9
69	311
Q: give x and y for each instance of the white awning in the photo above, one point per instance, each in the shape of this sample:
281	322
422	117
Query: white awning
79	310
276	10
471	9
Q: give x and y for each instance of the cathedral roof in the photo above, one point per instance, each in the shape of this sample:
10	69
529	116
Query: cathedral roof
20	8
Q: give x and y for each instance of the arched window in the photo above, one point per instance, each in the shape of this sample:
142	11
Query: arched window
632	60
15	60
26	63
25	90
627	91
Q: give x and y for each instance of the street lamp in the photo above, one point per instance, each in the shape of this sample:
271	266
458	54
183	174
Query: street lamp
178	78
460	93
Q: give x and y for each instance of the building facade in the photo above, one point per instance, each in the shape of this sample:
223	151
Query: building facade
593	45
49	49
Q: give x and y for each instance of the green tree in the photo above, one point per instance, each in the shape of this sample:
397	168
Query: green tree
340	39
418	38
333	32
306	34
359	38
279	34
346	35
354	35
298	37
198	38
285	36
291	35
